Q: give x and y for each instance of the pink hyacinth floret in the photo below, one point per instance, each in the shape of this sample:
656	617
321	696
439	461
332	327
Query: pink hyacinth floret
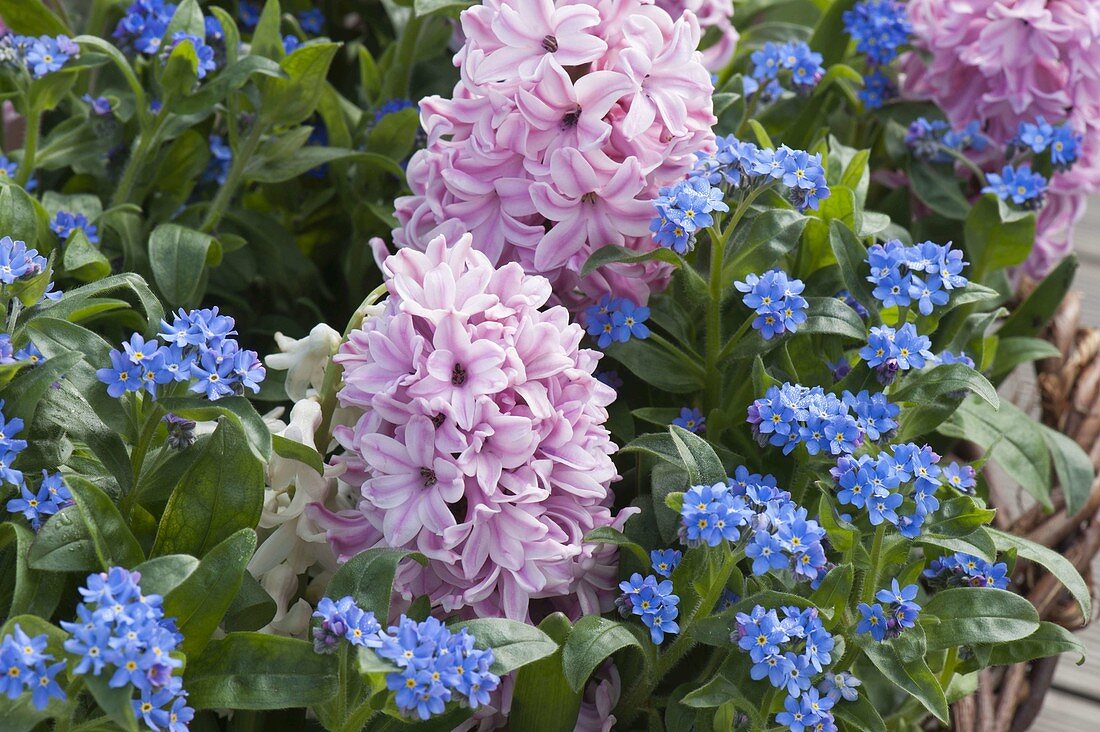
715	17
567	120
1003	62
481	441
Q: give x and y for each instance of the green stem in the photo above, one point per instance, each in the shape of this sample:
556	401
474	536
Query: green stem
958	156
949	664
233	178
137	455
679	354
30	147
871	581
741	330
334	374
146	143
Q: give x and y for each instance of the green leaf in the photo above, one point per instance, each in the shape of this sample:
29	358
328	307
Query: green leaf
233	77
766	240
901	660
654	365
997	236
181	72
161	575
83	260
201	600
32	592
611	535
859	715
830	38
126	283
116	702
114	543
1057	564
267	39
31	18
702	463
370	79
299	162
394	136
1012	439
971	615
26	390
825	315
64	544
178	257
220	493
1072	466
427	7
292	100
18	216
929	384
293	450
1015	350
543	700
237	410
938	190
834	589
977	542
594	639
514	644
252	608
1036	310
959	516
851	254
368	578
1049	640
612	254
259	671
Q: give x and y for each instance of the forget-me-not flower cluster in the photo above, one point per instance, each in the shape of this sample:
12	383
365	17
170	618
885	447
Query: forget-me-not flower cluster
891	350
66	222
39	56
894	612
121	633
197	348
1019	185
776	300
26	666
773	62
616	320
434	664
1038	136
932	140
789	651
791	414
922	274
965	570
651	600
884	484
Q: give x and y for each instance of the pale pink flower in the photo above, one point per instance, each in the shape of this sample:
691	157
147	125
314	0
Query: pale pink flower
479	441
1003	62
535	30
625	82
589	205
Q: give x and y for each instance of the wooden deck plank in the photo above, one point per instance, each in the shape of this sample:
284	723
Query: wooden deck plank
1064	712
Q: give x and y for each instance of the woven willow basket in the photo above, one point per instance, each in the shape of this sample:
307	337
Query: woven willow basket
1066	391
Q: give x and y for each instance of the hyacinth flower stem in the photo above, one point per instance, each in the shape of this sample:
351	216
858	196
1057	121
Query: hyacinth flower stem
334	373
233	178
30	146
